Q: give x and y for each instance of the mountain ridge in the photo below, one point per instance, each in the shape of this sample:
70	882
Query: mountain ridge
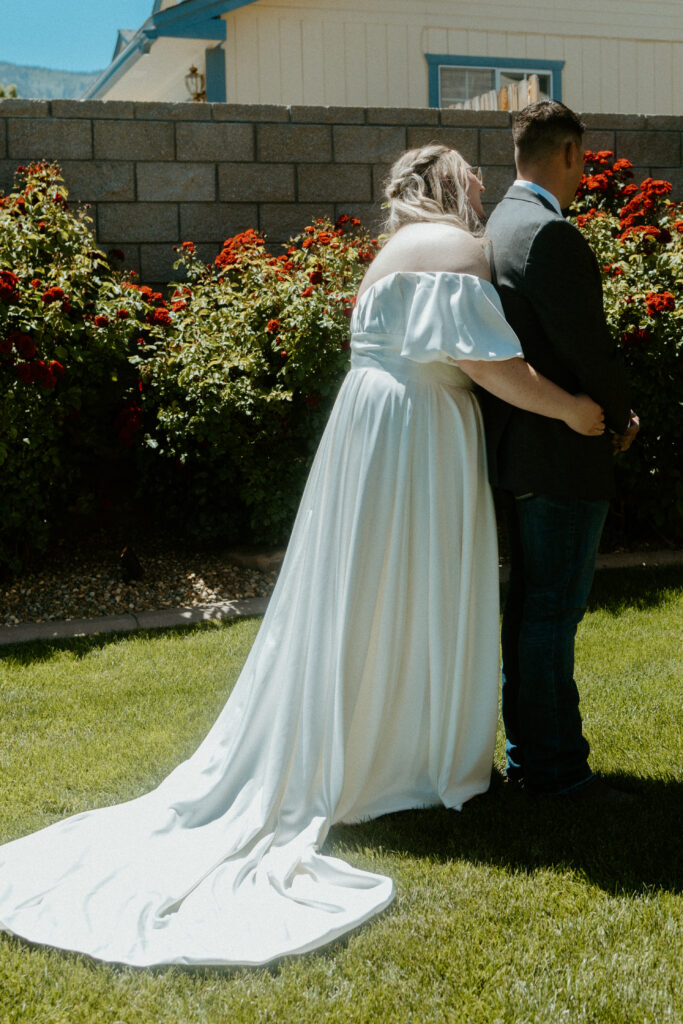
45	83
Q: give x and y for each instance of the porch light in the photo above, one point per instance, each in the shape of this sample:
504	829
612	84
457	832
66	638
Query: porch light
196	85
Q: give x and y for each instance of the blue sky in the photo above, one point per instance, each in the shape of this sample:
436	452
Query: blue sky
71	35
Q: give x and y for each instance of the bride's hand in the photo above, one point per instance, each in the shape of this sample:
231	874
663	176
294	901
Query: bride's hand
586	417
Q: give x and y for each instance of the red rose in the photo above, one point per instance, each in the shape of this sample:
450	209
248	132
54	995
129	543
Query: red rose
56	368
273	326
122	314
315	277
159	316
53	295
189	246
306	292
341	220
101	321
8	286
638	336
178	304
25	345
659	302
355	221
36	283
24	372
307	243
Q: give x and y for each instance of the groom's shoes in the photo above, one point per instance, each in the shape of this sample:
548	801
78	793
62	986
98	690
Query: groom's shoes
597	793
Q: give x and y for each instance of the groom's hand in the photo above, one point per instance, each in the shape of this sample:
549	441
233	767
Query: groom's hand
622	442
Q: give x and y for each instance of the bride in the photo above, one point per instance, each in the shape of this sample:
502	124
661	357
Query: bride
372	684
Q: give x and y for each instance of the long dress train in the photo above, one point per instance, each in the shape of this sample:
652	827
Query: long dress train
371	686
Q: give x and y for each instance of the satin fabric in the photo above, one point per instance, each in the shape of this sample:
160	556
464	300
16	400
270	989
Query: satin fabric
371	686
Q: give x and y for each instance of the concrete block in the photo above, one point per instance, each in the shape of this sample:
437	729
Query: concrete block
613	122
133	140
214	141
403	115
94	109
156	264
131	255
49	138
155	111
328	115
371	214
597	140
214	222
24	108
675	176
137	222
273	183
294	143
99	180
380	175
465	140
7	171
662	149
281	221
369	143
3	140
496	147
250	112
338	182
664	122
497	180
172	182
475	118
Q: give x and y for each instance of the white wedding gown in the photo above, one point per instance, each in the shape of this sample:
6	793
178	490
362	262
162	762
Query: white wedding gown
371	686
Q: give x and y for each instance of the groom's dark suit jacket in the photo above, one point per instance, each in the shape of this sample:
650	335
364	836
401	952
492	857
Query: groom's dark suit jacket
550	287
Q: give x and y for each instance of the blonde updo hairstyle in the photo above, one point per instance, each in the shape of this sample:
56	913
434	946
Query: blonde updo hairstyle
430	184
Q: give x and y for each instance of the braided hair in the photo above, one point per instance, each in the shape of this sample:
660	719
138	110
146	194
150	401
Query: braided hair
430	184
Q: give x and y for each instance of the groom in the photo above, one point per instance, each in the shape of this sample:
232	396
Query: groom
555	483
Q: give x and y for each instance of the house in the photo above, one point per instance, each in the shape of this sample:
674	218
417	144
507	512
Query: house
616	56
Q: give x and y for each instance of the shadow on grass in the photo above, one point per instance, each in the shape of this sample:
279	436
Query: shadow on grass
641	587
621	849
33	651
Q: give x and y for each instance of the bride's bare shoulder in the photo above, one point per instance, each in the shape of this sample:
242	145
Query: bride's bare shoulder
428	246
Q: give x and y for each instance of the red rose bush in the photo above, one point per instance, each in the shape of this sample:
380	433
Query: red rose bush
236	395
63	362
636	232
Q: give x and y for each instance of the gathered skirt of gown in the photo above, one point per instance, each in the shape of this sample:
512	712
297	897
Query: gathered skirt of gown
371	686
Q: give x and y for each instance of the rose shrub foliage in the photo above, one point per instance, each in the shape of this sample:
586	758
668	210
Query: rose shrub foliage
64	342
237	394
636	232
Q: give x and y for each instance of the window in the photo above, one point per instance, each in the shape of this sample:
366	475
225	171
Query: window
455	80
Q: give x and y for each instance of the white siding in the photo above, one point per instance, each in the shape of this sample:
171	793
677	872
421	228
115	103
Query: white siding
621	56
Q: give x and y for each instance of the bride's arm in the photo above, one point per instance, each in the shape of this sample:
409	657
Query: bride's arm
516	382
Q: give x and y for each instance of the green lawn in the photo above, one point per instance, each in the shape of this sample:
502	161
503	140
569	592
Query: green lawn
509	912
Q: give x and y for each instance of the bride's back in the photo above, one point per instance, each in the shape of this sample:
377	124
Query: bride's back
429	246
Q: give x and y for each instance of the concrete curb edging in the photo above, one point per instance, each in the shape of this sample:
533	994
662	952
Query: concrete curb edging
166	618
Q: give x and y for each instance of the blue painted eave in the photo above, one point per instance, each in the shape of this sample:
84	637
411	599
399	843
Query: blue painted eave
191	19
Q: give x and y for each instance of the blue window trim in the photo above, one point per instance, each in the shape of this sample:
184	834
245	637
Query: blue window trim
437	60
190	19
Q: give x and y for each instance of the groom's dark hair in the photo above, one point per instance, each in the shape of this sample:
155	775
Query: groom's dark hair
541	128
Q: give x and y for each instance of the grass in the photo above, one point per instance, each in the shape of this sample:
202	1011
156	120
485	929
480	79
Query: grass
510	912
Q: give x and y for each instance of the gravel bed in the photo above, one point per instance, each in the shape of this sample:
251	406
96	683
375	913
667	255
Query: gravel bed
89	582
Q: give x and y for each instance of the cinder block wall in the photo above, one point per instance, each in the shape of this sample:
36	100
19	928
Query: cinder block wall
156	174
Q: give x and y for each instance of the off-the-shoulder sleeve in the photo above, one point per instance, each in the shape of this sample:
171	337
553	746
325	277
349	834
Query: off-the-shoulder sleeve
458	316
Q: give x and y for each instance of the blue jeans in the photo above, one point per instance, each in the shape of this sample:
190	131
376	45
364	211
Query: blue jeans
553	545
